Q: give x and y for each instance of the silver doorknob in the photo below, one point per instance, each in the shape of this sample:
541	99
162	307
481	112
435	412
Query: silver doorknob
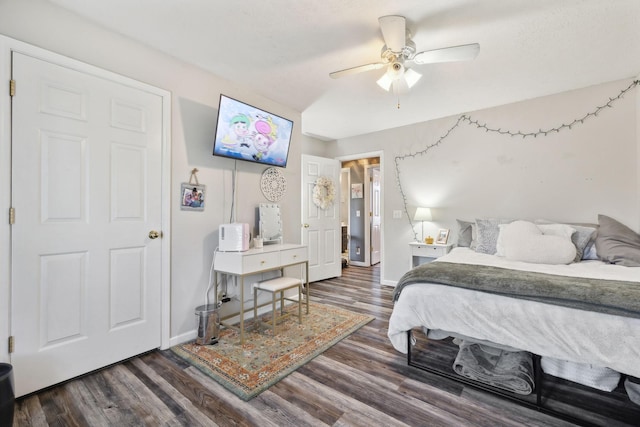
153	234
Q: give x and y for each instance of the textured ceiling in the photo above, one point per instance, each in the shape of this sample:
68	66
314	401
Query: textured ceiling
285	50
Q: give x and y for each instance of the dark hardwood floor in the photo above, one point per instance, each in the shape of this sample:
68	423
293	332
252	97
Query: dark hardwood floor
361	381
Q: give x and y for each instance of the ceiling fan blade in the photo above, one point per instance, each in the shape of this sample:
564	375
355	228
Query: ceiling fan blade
393	29
356	70
465	52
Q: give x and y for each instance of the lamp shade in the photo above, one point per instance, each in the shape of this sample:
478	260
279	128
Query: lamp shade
411	77
385	82
398	81
422	214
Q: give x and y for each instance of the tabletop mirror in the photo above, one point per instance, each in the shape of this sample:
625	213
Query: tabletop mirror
270	223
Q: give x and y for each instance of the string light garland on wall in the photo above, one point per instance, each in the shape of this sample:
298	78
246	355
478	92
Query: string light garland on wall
464	118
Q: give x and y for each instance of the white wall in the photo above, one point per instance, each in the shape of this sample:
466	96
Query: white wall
195	96
571	175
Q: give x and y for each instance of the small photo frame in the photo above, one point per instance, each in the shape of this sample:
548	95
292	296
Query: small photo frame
443	236
191	197
356	191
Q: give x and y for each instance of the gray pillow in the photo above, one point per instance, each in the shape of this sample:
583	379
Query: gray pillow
487	231
465	234
616	243
581	239
590	252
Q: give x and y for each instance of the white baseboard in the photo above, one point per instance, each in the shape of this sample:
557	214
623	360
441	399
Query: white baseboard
191	335
182	338
359	264
392	283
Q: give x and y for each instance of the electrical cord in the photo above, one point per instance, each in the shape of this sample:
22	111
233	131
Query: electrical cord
206	295
233	191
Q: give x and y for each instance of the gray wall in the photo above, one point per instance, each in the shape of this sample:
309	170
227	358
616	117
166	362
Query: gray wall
571	175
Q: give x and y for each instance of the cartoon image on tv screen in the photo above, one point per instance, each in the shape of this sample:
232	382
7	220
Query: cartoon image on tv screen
248	133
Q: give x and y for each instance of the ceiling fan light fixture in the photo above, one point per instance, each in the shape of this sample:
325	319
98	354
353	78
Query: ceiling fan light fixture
399	49
398	83
411	77
385	82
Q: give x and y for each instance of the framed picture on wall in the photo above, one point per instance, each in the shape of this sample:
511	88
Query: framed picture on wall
443	236
356	191
191	197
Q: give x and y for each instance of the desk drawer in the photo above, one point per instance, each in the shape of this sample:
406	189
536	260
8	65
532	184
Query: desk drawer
258	262
292	256
429	251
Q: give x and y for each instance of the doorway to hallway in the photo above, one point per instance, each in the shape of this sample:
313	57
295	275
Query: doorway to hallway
360	209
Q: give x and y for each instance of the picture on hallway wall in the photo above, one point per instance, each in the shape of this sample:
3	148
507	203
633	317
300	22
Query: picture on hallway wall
356	191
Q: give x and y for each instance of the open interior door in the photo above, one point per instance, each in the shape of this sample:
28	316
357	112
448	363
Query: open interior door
321	225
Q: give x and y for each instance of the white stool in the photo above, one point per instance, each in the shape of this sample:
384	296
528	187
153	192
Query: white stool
275	286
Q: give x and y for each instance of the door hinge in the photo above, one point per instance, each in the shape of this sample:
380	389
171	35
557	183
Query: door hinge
12	343
12	215
12	87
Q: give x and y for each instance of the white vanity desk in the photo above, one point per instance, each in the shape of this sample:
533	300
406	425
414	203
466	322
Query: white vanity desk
255	261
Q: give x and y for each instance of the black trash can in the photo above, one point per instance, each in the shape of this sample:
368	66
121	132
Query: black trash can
7	396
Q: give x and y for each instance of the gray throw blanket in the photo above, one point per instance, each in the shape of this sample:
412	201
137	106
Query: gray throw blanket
507	370
615	297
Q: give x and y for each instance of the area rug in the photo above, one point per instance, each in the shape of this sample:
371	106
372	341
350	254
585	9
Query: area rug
264	359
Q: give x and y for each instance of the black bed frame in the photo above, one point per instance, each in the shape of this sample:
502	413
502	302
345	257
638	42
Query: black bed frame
538	405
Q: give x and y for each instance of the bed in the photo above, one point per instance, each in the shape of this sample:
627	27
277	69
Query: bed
583	310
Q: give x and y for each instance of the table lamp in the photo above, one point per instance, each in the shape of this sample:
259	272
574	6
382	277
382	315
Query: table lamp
422	214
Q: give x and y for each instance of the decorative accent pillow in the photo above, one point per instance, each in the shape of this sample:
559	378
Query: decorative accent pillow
581	238
474	237
465	234
487	231
616	243
584	234
524	241
500	241
590	252
563	230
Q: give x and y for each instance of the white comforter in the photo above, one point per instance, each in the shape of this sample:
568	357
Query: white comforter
563	333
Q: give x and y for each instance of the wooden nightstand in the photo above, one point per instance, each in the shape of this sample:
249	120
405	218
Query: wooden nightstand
421	252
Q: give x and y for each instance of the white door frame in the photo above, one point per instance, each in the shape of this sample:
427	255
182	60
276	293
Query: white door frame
380	155
369	183
367	215
345	198
7	45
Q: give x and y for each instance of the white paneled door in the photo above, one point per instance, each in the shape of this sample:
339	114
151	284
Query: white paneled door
86	189
321	227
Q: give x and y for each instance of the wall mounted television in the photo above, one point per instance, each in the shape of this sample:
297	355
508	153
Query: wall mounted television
248	133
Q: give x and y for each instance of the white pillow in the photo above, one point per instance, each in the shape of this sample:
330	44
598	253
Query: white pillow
563	230
547	229
525	241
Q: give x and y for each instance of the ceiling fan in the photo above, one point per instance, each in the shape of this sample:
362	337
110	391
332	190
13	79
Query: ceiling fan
399	52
